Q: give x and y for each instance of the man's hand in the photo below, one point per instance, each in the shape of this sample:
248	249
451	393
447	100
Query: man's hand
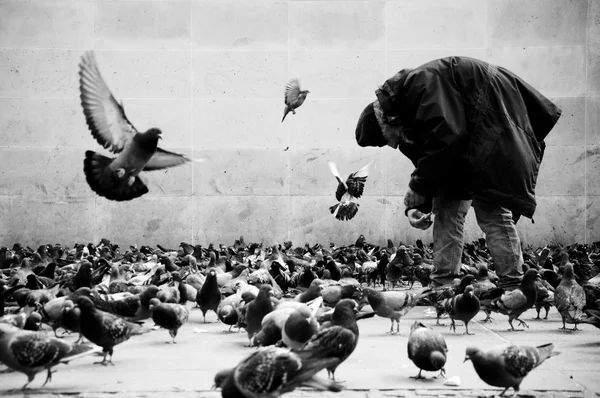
413	199
419	220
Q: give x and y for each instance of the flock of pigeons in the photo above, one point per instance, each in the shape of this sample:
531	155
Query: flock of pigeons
118	178
301	306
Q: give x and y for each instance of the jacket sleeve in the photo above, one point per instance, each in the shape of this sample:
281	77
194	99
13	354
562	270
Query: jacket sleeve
440	125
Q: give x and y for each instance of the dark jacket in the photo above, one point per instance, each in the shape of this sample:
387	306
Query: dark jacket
469	128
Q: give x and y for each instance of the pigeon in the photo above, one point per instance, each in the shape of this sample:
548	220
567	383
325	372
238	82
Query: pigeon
427	349
117	178
508	366
392	304
485	289
133	308
294	97
257	309
273	371
169	316
301	325
314	290
104	329
569	298
209	296
32	352
515	302
227	310
339	338
463	306
348	192
545	297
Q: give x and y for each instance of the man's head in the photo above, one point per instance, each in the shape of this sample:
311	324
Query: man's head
368	131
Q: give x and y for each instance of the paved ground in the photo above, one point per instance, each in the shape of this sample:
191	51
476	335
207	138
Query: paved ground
146	366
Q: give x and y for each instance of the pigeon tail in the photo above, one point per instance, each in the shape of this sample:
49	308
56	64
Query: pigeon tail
546	351
344	211
106	183
285	112
80	350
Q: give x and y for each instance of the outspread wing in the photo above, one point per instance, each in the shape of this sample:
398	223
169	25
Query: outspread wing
356	181
104	116
164	159
292	91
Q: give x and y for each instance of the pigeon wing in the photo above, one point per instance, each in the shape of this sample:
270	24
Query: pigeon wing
104	116
164	159
519	361
32	350
266	371
292	91
356	181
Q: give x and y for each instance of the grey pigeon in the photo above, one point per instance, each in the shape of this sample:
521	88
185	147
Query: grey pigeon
273	371
463	307
117	178
427	349
294	97
569	298
32	352
508	366
515	302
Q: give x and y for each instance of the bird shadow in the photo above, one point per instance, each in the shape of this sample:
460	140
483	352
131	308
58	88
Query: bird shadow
588	345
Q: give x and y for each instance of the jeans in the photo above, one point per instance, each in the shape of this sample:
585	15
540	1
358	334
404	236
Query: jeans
500	232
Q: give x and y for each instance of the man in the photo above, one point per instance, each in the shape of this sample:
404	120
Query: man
475	134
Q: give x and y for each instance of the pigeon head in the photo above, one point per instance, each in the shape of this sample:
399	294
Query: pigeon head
85	303
417	325
471	353
530	276
221	377
153	303
482	271
149	139
568	270
469	290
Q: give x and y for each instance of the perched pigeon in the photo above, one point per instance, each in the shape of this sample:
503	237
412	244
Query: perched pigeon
273	371
117	178
508	366
392	304
104	329
33	352
463	307
515	302
569	298
427	349
294	97
348	192
209	296
170	316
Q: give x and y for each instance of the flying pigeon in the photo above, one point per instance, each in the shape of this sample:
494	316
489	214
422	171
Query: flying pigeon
348	192
117	178
294	97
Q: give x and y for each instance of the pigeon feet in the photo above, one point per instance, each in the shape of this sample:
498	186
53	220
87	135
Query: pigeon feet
120	173
418	377
442	374
522	323
48	377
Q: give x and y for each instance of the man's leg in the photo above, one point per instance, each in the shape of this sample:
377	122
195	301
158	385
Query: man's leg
502	240
448	232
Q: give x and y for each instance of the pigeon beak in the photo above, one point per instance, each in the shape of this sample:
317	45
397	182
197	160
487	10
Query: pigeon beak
214	387
466	358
